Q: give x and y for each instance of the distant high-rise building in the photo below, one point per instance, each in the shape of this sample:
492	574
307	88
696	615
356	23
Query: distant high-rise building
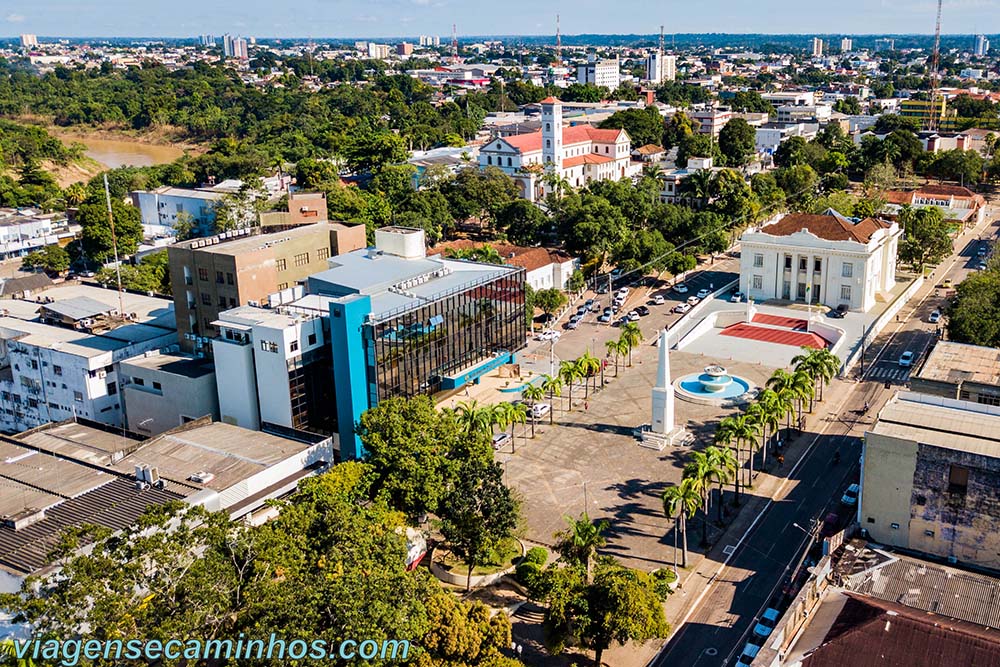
206	40
234	47
605	73
436	40
885	44
404	49
817	47
846	44
982	45
378	51
29	40
660	67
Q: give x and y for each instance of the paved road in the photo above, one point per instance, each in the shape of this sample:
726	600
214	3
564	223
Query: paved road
717	629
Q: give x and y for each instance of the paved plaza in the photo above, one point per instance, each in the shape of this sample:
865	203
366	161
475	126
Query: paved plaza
590	460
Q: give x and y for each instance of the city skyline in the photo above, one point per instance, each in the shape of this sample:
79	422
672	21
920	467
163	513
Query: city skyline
399	18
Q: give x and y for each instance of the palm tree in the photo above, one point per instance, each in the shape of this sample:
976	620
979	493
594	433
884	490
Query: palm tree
745	430
589	366
532	393
581	540
781	382
697	186
725	464
553	387
701	470
614	348
755	413
725	436
517	413
804	387
569	373
771	412
822	365
475	418
632	336
8	655
502	417
681	501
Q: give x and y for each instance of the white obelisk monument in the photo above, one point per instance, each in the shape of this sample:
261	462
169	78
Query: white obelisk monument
663	392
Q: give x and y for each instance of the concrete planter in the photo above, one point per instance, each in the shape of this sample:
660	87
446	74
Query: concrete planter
458	577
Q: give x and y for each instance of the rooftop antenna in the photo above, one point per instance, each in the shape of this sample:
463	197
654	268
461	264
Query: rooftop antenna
114	245
454	44
935	75
558	43
661	40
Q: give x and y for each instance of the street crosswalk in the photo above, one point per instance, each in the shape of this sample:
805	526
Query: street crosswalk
889	373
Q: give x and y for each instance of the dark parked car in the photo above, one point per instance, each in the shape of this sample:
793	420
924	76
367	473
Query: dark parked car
839	311
642	310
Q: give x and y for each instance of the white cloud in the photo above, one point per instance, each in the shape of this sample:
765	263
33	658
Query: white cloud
14	18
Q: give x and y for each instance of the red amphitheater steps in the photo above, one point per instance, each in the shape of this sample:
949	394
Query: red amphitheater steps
780	336
780	321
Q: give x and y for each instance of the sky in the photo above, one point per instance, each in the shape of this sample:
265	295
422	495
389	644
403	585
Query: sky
401	18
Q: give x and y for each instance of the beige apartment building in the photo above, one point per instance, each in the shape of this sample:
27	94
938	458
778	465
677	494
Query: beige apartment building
929	478
247	267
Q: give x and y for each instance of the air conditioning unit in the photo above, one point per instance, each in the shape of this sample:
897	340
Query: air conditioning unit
102	374
153	475
202	477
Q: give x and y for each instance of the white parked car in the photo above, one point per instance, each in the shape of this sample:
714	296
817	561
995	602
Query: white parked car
935	317
539	410
633	316
850	497
682	308
681	288
694	300
702	293
736	298
500	439
658	300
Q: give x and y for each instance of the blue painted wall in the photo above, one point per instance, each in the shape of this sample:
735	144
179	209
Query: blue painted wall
350	369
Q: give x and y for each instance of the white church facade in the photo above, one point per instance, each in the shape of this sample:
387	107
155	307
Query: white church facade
579	154
820	259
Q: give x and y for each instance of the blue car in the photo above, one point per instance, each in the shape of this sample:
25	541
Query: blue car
765	625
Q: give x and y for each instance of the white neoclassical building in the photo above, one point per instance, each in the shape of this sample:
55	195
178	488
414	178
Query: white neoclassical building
578	154
822	259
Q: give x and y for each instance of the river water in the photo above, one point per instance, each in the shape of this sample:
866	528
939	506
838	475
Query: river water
118	153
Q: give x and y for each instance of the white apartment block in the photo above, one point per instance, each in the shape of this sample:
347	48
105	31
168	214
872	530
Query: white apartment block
605	73
770	136
846	45
272	366
25	230
660	67
982	45
820	259
29	40
712	119
817	47
160	208
578	154
60	358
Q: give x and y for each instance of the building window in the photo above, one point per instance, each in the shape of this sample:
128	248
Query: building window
139	381
222	302
206	298
788	261
871	519
268	346
294	347
758	260
958	479
987	399
312	339
758	282
803	263
548	144
229	278
57	369
282	264
157	386
847	270
78	397
232	302
509	163
322	253
489	159
112	389
817	265
203	274
219	277
845	292
282	286
302	259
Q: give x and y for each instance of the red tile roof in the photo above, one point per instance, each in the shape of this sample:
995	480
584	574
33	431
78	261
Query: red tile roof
577	134
826	226
874	633
528	258
650	149
587	158
550	100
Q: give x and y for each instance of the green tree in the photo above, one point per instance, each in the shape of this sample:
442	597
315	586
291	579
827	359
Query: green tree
578	544
632	336
51	258
522	222
553	388
96	229
413	451
464	634
849	105
680	502
644	126
974	315
623	605
372	150
925	236
478	513
550	300
737	142
532	394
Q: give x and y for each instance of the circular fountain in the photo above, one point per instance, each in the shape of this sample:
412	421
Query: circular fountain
713	386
